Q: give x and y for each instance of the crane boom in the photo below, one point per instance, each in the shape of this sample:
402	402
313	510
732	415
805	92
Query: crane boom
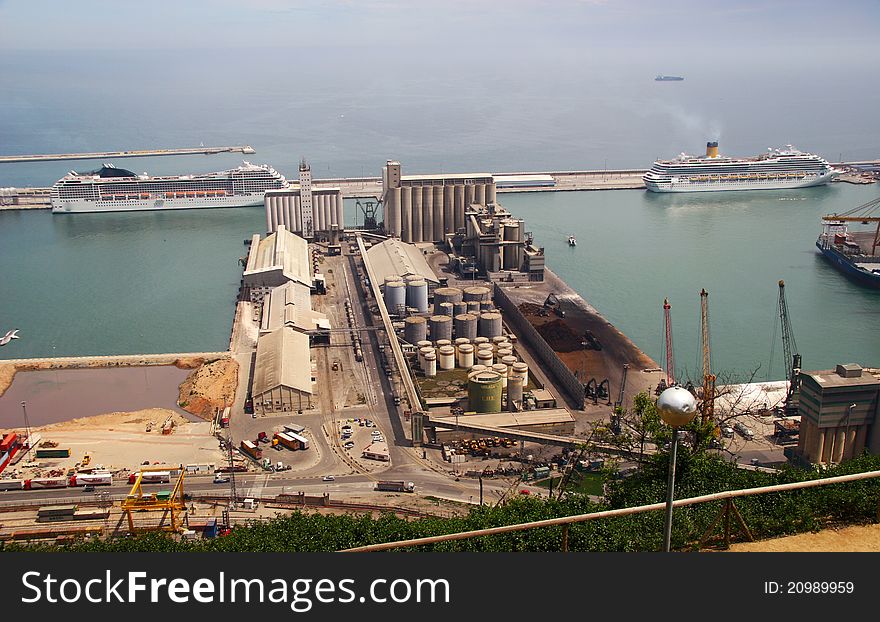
707	408
670	359
790	350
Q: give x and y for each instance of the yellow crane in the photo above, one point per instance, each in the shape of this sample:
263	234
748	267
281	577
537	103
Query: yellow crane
707	406
171	504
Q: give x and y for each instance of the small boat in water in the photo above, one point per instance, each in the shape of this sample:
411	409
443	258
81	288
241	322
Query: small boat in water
572	241
854	253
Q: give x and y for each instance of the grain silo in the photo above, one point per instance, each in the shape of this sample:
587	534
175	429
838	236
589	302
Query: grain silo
427	214
440	327
417	295
443	342
484	392
473	307
416	215
466	326
406	214
485	357
521	370
447	294
487	305
476	292
392	212
437	206
477	368
430	365
425	351
415	329
514	392
490	324
444	308
458	206
459	308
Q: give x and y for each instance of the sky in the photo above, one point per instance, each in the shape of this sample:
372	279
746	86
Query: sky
496	29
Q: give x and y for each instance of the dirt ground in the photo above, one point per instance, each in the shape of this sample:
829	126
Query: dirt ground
7	373
119	441
858	539
209	387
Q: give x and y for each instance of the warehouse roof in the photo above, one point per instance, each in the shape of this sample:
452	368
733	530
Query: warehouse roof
481	177
290	305
283	360
396	257
283	251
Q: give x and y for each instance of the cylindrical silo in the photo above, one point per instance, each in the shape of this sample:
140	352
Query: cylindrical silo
509	360
484	357
430	365
473	307
423	352
521	370
417	295
297	212
466	326
395	297
446	294
499	339
468	196
490	324
458	206
466	356
448	210
392	212
476	293
478	340
484	392
328	204
437	206
487	305
459	341
424	343
415	329
514	392
440	327
445	308
501	370
446	357
480	194
406	214
392	278
490	193
416	214
477	368
427	214
443	342
459	308
502	353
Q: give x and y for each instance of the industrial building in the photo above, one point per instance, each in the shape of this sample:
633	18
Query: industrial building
551	421
306	211
278	259
396	258
427	208
290	305
283	381
838	411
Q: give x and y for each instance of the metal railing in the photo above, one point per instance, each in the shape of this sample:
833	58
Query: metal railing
580	518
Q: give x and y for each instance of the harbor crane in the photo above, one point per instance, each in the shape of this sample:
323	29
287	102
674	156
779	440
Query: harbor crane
863	214
171	503
789	348
707	406
667	350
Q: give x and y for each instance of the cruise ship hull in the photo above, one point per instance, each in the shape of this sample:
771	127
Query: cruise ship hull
81	206
752	184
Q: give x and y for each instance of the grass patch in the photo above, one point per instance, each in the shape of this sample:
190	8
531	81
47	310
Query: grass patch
583	483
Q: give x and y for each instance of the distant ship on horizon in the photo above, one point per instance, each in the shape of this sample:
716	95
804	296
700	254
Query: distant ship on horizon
662	78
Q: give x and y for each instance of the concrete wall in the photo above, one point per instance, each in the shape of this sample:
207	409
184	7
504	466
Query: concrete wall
546	356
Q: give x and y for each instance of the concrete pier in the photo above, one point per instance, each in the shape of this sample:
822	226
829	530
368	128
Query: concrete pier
125	154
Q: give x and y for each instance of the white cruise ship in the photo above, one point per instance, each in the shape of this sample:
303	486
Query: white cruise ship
776	169
112	189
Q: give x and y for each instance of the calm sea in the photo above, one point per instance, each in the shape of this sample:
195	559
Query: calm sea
155	282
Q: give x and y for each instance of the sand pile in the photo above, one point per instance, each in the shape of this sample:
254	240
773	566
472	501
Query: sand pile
109	421
209	387
7	373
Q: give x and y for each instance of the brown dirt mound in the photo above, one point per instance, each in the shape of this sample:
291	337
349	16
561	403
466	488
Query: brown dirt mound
527	308
7	373
209	387
559	336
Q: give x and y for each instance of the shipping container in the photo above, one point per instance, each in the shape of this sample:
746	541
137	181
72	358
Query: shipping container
8	441
45	482
302	440
56	510
11	484
286	440
249	449
91	479
53	452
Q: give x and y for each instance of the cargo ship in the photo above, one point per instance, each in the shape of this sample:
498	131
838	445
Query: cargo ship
854	253
111	189
774	170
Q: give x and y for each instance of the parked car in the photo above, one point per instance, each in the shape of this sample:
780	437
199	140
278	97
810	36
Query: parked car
727	432
221	479
329	478
746	432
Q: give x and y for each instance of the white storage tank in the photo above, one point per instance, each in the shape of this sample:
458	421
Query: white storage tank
417	295
484	357
430	365
424	352
499	340
514	392
477	368
446	357
501	370
478	340
461	341
443	342
521	370
465	356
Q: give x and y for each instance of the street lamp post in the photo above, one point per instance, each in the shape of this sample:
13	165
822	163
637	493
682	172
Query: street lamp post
677	407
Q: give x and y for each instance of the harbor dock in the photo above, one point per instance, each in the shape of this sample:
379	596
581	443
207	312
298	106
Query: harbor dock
141	153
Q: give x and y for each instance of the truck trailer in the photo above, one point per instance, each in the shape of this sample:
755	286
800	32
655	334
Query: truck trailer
396	486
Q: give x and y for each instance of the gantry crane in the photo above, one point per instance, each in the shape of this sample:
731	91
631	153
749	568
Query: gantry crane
172	503
670	358
862	214
789	347
707	406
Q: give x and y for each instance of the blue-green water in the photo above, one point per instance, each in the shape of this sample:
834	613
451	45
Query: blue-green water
158	282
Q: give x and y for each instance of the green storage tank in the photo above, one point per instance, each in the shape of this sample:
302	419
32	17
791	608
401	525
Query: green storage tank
484	392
